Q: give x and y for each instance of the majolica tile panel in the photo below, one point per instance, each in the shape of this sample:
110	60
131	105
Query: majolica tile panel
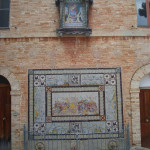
74	17
75	101
74	14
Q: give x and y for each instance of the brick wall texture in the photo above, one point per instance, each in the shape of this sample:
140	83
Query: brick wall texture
32	43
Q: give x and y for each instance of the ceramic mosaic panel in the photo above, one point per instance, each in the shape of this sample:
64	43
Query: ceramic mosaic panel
75	101
111	103
60	128
57	80
94	127
112	126
39	128
39	80
75	127
92	79
75	104
74	80
39	98
73	14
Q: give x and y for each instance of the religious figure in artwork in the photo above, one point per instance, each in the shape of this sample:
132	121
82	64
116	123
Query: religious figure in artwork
73	14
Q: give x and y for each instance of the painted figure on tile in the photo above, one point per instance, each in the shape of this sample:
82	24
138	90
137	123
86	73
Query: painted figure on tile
83	107
73	14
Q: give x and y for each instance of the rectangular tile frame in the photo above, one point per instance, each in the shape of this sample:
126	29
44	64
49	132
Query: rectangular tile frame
117	71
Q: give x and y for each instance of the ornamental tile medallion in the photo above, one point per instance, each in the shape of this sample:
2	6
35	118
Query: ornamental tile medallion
75	101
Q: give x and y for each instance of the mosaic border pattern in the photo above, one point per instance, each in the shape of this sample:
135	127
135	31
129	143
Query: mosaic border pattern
103	80
78	117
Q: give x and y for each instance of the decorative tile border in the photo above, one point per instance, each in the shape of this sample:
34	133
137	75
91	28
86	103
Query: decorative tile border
44	86
72	92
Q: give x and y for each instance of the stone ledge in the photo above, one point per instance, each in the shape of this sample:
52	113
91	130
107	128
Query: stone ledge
95	33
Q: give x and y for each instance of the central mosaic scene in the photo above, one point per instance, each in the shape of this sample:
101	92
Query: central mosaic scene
75	101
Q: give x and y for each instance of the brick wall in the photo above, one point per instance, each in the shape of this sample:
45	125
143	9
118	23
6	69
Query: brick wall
32	43
36	18
19	55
